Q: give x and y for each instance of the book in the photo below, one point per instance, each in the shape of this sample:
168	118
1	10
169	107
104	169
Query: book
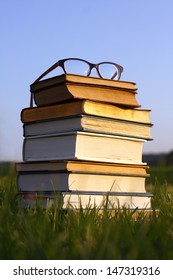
83	80
56	181
83	146
86	107
88	123
83	167
69	87
81	183
86	200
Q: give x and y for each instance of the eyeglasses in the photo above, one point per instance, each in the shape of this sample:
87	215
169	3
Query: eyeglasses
77	66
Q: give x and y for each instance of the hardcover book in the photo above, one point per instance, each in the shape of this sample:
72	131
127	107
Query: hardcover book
88	123
87	200
53	181
69	87
86	107
83	146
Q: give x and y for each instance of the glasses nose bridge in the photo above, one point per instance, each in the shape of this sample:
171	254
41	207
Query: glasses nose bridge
92	66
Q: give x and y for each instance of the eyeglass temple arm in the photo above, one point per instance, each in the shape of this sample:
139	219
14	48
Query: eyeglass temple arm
47	72
40	77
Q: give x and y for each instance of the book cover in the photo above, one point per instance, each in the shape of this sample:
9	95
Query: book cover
86	200
77	181
83	146
83	167
63	88
88	123
86	107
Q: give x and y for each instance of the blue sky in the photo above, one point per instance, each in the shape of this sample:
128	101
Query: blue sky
135	34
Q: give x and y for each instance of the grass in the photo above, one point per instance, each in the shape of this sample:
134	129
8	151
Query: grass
163	175
55	234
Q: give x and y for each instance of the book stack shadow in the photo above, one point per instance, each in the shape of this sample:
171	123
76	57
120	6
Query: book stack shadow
83	145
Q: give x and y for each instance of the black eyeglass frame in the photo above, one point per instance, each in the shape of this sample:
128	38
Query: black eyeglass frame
91	66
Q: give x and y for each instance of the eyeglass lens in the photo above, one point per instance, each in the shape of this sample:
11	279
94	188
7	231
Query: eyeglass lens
77	67
107	71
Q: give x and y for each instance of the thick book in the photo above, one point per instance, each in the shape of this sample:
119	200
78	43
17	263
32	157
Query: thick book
69	87
42	181
82	184
86	200
83	146
88	123
86	107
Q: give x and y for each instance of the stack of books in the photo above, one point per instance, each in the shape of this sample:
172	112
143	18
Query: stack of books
83	144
